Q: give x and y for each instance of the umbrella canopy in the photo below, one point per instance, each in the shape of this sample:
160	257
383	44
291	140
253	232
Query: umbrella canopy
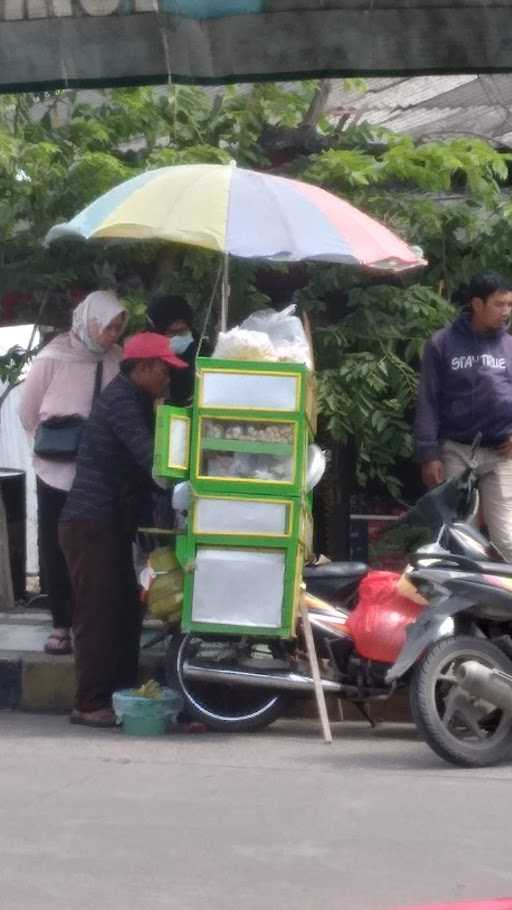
241	213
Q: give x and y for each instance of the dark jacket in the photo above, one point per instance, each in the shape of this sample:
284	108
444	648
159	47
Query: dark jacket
465	388
182	381
113	483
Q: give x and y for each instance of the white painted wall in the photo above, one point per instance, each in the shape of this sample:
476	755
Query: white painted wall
15	451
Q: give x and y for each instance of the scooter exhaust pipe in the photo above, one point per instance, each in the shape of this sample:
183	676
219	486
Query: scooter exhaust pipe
493	686
222	676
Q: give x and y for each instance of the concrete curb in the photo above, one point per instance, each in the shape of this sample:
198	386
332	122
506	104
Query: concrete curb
10	679
34	681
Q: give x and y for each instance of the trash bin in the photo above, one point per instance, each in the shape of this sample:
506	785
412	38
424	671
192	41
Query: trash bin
12	488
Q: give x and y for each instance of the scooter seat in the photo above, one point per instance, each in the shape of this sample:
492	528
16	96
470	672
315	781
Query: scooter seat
332	570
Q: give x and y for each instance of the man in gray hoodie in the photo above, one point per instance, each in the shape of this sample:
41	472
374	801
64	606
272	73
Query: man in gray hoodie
466	388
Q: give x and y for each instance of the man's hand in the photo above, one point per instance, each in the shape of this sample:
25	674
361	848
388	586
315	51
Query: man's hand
432	473
505	449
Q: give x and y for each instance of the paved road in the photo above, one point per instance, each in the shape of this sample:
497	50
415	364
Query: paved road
100	821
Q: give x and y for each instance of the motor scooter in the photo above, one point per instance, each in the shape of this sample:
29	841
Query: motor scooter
240	684
458	654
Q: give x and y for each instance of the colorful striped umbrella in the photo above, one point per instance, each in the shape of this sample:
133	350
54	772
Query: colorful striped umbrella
241	213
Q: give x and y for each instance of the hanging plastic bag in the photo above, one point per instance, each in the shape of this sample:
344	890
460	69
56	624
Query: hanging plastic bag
162	582
379	622
316	466
266	335
181	503
285	331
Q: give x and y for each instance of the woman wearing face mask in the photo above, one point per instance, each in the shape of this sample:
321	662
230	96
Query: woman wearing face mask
62	382
172	316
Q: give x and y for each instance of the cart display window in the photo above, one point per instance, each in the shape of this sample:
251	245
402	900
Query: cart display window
245	449
250	391
239	587
179	442
172	442
263	517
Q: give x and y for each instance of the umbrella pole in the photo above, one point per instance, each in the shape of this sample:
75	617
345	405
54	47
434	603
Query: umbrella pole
225	295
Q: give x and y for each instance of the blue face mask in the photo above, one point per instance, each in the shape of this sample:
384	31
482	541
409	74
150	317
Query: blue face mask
179	343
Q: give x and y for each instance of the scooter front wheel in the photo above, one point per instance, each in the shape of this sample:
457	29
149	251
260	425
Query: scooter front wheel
229	708
460	728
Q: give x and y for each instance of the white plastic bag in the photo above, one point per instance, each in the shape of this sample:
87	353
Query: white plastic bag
266	335
316	466
285	331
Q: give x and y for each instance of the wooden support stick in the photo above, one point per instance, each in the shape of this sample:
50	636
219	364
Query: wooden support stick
315	671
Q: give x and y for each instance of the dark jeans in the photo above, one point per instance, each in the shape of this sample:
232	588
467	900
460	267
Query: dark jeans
107	614
53	568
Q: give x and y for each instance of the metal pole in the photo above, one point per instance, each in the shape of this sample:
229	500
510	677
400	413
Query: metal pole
224	306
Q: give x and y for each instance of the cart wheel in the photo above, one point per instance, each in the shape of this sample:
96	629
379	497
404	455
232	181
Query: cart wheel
231	709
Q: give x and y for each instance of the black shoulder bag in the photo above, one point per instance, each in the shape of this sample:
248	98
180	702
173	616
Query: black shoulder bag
59	437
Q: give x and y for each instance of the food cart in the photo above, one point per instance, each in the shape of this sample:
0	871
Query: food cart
243	446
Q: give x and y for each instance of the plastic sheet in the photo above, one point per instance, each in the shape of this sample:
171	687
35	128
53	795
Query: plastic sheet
271	392
240	516
379	622
238	587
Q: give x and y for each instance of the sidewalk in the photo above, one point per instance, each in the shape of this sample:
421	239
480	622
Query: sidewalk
31	680
35	681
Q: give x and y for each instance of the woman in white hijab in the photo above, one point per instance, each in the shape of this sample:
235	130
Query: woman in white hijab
61	383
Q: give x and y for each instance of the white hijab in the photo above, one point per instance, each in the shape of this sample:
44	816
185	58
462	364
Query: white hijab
90	317
93	315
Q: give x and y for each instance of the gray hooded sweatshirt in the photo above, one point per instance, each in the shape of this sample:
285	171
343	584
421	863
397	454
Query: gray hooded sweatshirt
465	388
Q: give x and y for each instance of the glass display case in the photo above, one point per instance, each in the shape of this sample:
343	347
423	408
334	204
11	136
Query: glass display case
247	449
244	448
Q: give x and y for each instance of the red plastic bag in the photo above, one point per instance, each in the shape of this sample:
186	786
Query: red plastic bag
379	621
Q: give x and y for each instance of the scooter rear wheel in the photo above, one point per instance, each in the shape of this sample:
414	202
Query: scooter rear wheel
229	708
463	730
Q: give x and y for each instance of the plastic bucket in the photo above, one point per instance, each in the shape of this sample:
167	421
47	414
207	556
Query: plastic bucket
141	716
145	726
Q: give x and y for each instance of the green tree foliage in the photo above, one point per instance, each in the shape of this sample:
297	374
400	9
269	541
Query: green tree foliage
59	151
368	380
446	197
